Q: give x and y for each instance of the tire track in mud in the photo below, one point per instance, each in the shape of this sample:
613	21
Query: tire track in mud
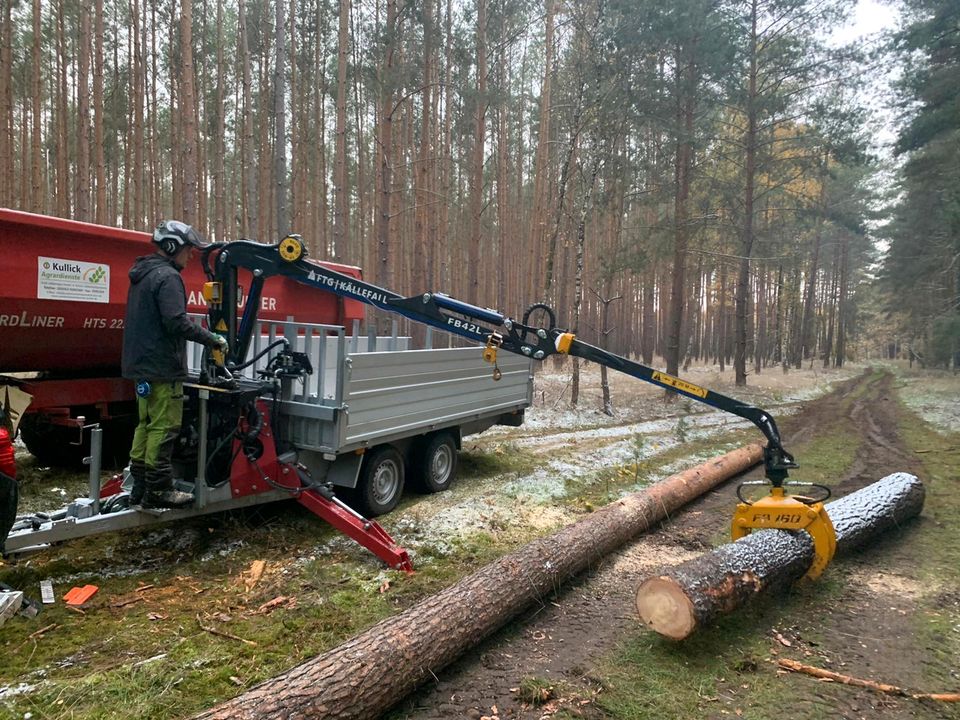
562	639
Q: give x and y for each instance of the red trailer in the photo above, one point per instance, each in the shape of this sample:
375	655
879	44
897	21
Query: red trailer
63	290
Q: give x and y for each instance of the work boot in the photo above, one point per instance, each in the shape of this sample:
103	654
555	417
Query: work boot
160	492
138	473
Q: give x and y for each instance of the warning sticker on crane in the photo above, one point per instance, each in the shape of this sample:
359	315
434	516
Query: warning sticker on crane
679	384
75	280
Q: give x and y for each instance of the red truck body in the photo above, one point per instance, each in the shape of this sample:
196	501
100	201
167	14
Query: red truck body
63	291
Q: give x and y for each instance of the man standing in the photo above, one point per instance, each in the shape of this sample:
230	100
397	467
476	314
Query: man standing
156	330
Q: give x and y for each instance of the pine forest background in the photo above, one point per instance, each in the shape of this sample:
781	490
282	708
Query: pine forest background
693	180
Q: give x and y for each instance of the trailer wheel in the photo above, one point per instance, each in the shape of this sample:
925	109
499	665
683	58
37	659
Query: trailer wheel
380	485
435	462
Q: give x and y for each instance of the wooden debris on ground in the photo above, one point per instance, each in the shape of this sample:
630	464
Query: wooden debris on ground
251	576
224	634
880	687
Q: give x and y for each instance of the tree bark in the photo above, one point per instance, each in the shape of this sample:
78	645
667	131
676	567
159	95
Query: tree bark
478	156
7	123
687	84
37	202
691	595
605	331
249	217
807	339
341	197
99	161
384	266
747	236
538	214
82	209
134	215
375	669
648	335
188	200
219	145
842	303
281	223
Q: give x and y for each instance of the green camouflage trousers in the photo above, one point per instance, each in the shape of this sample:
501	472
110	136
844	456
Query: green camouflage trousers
160	415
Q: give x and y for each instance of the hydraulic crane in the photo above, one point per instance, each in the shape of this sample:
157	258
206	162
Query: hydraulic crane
497	332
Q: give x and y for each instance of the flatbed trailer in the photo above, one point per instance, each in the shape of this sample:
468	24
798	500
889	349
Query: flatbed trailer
371	415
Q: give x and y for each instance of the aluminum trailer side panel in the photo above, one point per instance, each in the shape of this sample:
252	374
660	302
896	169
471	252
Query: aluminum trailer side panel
392	395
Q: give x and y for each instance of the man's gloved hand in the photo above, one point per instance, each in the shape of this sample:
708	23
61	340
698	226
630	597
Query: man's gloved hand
220	343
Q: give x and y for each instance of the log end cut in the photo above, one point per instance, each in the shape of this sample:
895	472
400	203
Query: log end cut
665	608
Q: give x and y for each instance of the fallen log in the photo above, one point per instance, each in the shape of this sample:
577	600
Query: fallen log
374	670
691	595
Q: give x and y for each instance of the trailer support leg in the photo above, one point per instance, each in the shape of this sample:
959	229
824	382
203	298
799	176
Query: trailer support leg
366	532
94	460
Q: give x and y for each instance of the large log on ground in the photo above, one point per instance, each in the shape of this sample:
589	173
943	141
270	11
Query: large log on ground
374	670
694	593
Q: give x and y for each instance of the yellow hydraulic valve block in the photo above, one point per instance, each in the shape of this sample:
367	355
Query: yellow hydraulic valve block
780	511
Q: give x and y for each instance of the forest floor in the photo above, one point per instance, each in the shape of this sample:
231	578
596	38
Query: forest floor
890	613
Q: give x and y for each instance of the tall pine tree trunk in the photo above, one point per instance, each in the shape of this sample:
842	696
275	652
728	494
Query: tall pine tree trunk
36	202
188	201
750	168
478	156
281	222
683	169
82	210
99	161
341	208
384	262
807	338
842	302
6	108
539	215
248	170
219	148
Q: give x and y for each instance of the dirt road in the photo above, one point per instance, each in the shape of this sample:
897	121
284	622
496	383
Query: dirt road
856	625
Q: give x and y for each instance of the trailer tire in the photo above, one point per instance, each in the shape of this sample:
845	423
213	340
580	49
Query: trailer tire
380	485
435	463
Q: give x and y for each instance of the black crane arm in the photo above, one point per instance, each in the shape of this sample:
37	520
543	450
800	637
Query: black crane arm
482	325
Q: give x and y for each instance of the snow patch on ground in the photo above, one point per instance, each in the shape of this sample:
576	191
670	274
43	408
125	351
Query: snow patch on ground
440	524
934	396
9	691
577	444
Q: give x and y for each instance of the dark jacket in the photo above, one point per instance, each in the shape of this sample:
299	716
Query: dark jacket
156	328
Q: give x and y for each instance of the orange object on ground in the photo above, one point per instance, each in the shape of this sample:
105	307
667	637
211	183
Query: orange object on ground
78	595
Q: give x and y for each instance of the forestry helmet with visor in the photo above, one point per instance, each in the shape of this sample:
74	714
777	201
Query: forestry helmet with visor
172	236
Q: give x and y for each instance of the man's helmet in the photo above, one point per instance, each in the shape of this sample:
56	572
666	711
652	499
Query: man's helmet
172	236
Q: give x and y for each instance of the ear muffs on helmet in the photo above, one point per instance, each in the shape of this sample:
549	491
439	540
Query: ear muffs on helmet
170	246
172	236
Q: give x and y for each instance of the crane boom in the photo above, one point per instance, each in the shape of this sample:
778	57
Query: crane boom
482	325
